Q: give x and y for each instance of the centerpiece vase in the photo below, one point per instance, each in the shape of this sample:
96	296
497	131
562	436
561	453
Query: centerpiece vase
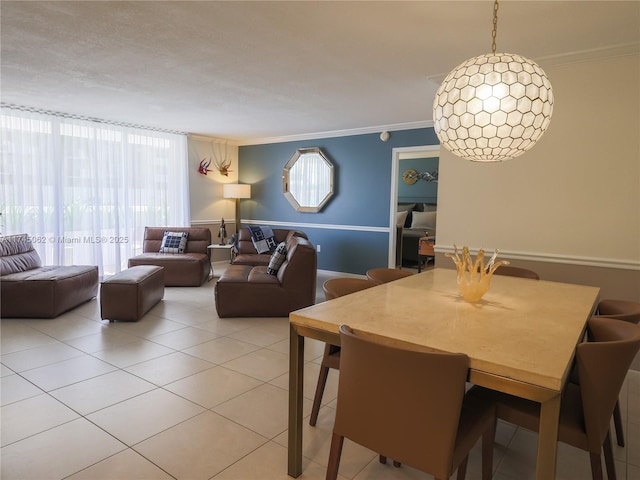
474	277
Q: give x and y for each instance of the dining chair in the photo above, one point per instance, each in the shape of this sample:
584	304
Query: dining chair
586	408
421	417
516	272
385	275
334	288
628	311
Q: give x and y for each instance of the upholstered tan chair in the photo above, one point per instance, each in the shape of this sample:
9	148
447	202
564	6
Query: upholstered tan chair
516	272
334	288
586	409
385	275
628	311
420	417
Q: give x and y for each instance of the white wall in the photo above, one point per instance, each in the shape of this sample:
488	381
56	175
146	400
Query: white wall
207	202
576	194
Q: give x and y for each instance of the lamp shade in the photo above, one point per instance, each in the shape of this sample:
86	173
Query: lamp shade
493	107
236	190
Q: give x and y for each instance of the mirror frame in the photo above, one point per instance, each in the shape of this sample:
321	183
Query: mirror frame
286	181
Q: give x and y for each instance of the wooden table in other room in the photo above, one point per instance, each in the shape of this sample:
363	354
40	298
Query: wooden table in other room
425	251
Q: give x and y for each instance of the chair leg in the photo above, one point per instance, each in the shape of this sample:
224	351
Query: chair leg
596	466
383	459
462	468
487	451
608	457
317	399
334	456
617	421
397	464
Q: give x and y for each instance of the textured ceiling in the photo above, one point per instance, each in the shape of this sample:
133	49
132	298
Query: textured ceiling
259	70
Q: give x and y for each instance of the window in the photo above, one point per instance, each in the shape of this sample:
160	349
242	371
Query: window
85	190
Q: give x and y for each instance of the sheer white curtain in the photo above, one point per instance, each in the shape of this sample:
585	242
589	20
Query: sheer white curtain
84	190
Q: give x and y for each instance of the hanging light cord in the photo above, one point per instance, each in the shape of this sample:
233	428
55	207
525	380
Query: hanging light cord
494	33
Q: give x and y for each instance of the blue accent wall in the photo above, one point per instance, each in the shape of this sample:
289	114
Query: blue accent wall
362	192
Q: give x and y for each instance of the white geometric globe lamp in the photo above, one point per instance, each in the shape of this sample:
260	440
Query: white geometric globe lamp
493	107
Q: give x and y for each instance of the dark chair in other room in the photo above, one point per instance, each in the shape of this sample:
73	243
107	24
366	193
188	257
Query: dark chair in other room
420	417
586	409
334	288
629	312
385	275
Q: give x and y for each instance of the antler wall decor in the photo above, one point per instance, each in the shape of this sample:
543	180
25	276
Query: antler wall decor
223	166
222	163
204	166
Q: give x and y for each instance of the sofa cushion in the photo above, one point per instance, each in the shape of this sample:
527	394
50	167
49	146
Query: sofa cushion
277	258
197	242
46	292
188	269
180	269
174	242
17	254
246	253
249	291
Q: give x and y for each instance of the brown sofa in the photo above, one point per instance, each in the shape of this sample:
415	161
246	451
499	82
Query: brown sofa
189	269
246	253
249	291
27	289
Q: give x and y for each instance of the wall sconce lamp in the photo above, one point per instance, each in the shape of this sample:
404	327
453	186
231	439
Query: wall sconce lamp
412	176
237	191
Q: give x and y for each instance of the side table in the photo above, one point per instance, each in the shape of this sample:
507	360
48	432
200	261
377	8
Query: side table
425	251
213	248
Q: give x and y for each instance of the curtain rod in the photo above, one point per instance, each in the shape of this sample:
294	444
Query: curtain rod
88	119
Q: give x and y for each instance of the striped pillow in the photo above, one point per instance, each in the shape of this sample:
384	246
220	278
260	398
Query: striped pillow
277	258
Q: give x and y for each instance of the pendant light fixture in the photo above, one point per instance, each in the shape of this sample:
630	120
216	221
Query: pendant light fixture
493	107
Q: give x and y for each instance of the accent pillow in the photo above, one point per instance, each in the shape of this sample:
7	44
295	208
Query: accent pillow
407	222
424	220
400	218
174	242
277	258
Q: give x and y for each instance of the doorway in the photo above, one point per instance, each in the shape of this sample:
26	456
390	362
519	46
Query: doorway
398	155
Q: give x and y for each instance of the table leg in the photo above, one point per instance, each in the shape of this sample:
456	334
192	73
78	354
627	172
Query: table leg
548	439
296	369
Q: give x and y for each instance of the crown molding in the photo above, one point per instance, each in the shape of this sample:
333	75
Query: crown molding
567	58
338	133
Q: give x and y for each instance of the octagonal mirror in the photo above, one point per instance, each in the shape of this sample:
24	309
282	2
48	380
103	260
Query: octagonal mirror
307	180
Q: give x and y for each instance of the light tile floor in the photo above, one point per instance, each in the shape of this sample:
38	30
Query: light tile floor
184	394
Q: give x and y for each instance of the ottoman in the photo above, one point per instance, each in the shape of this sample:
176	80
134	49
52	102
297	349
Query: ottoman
130	294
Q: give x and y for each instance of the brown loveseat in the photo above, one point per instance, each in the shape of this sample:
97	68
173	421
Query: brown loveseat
188	269
246	253
249	291
27	289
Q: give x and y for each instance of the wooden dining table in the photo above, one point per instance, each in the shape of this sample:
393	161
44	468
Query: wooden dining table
520	339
